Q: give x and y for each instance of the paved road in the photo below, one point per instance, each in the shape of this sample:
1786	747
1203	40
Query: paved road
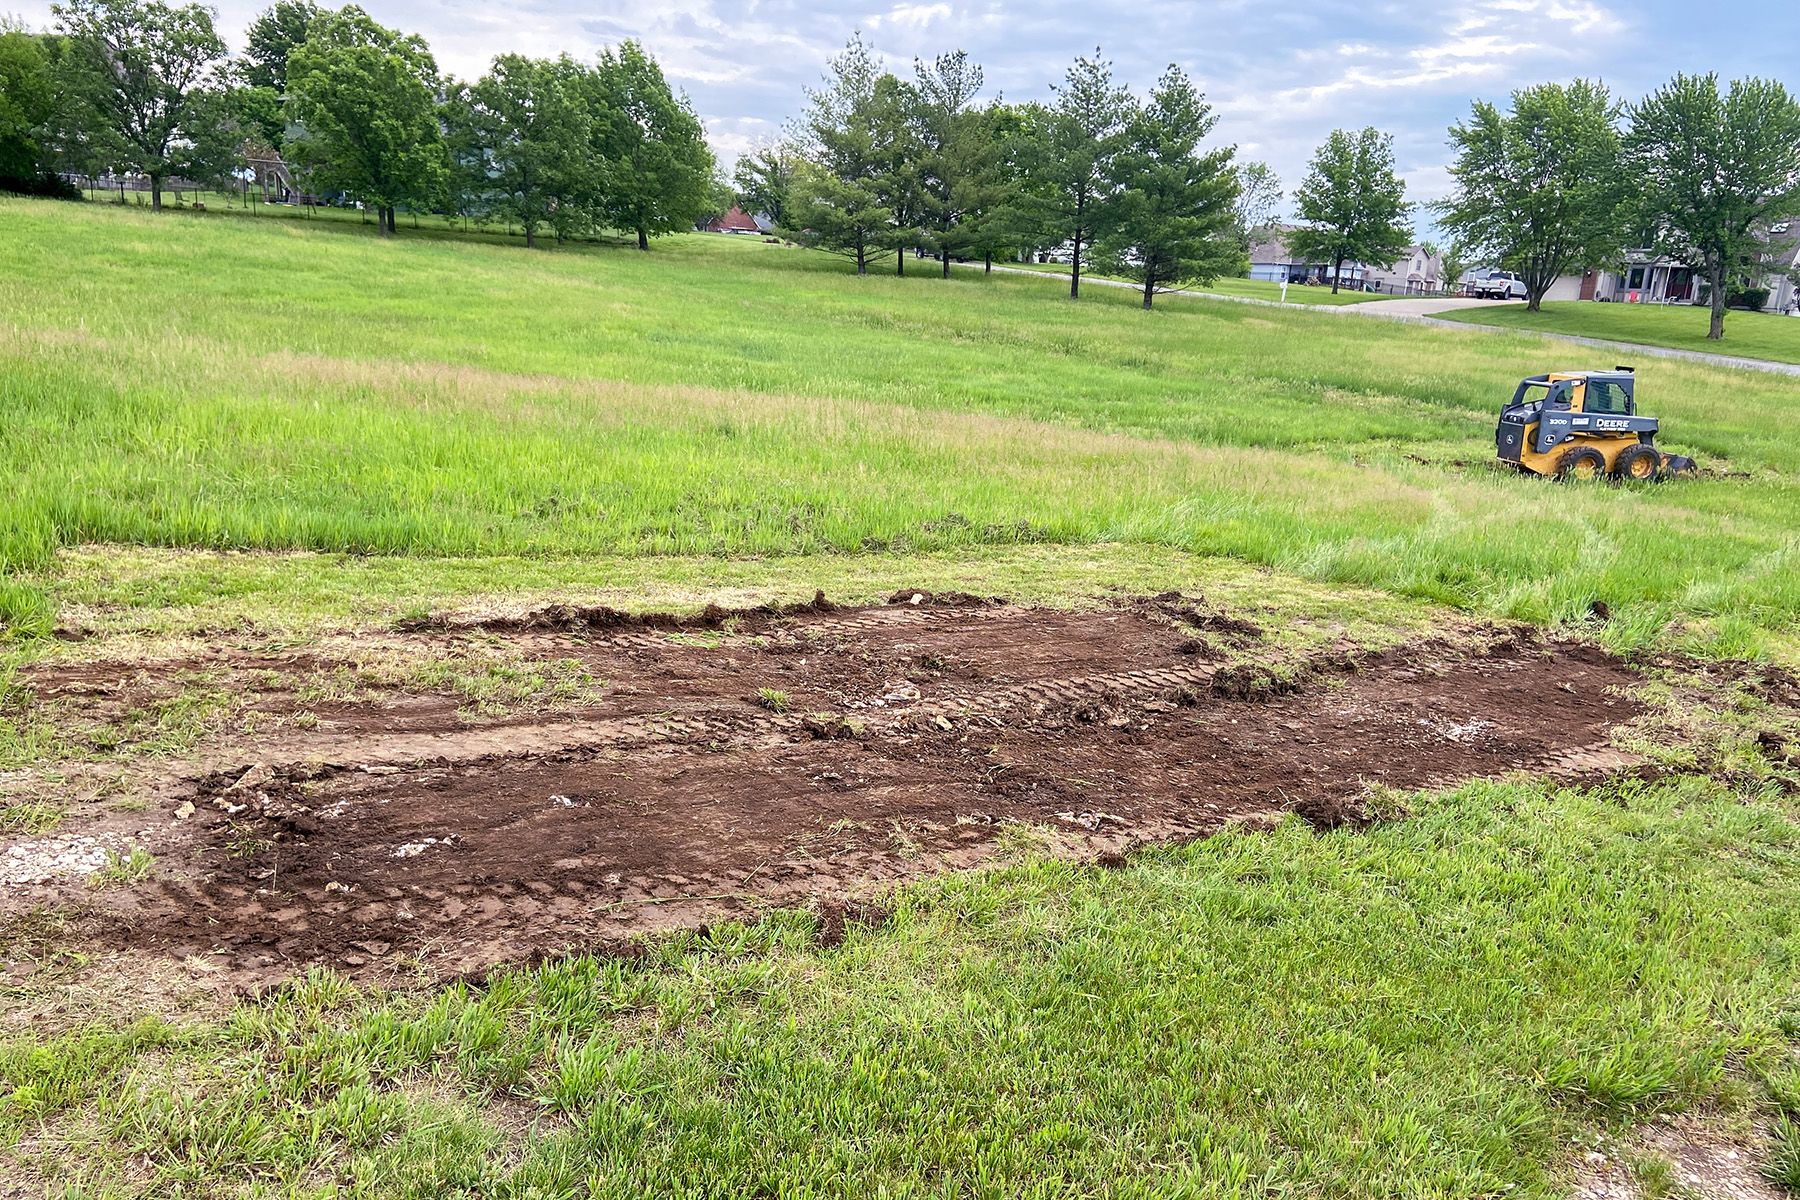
1416	310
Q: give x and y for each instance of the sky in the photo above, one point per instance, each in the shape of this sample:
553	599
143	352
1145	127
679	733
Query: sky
1281	74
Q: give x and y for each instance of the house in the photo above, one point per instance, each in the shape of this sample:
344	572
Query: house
735	221
1646	277
1417	273
1420	273
1270	260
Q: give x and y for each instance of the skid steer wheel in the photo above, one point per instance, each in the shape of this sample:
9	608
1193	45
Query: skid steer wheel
1640	463
1584	464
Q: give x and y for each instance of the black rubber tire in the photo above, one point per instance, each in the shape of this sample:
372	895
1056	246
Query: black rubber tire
1638	464
1583	464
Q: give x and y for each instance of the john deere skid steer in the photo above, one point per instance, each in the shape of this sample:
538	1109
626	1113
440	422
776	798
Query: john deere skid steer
1581	425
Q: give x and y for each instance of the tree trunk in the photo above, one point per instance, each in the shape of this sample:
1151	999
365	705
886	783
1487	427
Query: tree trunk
1075	269
1149	291
155	193
643	238
862	258
987	266
531	237
900	260
1337	273
946	264
384	218
1716	331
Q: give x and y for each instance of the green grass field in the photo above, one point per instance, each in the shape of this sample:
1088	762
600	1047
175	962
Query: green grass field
1679	326
261	429
222	382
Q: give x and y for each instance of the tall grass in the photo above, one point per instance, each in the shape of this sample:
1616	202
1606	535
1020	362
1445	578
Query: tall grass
191	381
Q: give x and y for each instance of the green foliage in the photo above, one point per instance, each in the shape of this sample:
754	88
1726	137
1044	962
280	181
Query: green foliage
124	868
28	97
521	137
1715	168
1352	202
1173	217
1072	165
143	69
659	169
840	185
271	39
773	699
367	97
1541	189
765	181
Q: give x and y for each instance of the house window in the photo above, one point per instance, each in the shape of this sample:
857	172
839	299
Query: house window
1637	278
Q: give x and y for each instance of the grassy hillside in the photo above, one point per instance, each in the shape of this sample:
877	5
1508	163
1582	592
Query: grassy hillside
1681	326
218	381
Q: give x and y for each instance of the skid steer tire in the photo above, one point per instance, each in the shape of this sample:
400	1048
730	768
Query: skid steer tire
1638	464
1583	464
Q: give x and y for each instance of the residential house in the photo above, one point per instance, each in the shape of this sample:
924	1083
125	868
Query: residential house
1415	274
1646	277
735	221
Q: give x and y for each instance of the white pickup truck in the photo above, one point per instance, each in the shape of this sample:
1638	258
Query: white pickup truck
1498	285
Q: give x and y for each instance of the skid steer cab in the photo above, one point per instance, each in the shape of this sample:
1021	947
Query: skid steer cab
1583	425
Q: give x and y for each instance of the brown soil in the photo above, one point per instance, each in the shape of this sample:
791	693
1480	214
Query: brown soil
891	741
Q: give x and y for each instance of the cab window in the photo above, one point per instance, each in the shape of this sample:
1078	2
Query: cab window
1607	397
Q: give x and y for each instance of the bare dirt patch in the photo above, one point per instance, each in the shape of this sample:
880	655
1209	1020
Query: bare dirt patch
803	757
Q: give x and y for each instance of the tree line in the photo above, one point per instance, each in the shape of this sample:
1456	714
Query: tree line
358	111
1569	176
878	165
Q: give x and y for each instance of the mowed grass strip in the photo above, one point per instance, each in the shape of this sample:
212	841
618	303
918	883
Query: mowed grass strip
232	383
1432	1008
1768	336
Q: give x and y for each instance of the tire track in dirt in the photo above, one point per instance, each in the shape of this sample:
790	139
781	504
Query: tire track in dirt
396	840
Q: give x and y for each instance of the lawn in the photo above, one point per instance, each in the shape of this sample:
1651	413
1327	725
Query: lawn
1679	326
227	382
264	434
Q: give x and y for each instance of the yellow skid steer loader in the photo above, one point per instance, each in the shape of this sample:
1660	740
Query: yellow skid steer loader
1581	425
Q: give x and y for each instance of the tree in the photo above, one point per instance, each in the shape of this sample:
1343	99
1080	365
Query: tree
765	181
1173	219
1014	193
659	169
1088	126
899	161
143	68
520	137
955	169
1539	190
367	98
837	202
270	40
1714	169
1353	203
1259	199
28	98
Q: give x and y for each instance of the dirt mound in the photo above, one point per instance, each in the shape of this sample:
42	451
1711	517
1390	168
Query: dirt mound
393	835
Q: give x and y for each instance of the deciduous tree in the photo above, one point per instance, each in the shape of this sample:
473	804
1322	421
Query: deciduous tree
1173	219
272	37
659	169
1353	203
1715	168
1258	202
28	98
367	97
1539	189
143	69
521	140
765	181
